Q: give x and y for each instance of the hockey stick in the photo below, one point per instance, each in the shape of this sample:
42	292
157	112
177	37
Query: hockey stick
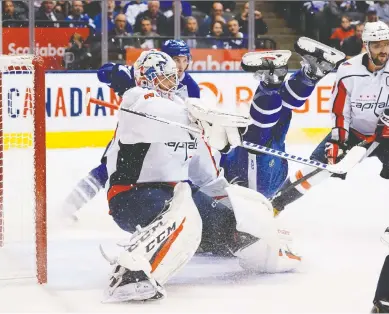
370	150
89	100
351	159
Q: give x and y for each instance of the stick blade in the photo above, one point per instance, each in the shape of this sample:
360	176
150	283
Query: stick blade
352	158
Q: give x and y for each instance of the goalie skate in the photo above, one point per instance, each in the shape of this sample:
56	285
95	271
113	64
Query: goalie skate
270	67
319	58
126	285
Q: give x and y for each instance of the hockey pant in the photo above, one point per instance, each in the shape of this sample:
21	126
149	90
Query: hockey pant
271	111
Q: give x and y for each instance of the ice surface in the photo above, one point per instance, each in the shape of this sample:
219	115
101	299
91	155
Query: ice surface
336	227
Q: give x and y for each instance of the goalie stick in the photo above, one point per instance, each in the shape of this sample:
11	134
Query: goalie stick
355	155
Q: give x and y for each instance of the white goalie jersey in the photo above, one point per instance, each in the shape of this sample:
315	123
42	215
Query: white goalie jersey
145	150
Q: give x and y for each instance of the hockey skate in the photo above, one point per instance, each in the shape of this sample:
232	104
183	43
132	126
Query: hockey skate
126	285
136	284
318	59
385	237
269	67
380	306
247	246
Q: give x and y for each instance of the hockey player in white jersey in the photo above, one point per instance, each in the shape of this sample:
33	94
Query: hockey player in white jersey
120	78
360	112
148	193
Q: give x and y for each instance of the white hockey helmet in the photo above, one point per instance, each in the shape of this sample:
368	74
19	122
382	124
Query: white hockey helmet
156	70
375	31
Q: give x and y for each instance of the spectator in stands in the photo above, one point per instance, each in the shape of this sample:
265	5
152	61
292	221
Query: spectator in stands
120	28
190	29
146	30
10	14
132	9
338	8
206	6
170	21
77	15
119	38
382	8
260	25
371	14
353	45
111	18
341	33
215	40
332	15
21	8
215	15
46	12
76	55
236	38
168	9
62	7
92	8
158	20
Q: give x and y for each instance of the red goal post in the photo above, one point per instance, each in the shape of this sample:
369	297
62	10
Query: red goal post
17	133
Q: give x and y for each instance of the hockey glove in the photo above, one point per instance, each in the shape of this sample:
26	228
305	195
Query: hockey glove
116	76
221	129
382	129
334	151
382	137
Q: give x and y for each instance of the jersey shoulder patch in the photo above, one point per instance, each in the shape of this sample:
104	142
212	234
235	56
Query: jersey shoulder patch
136	94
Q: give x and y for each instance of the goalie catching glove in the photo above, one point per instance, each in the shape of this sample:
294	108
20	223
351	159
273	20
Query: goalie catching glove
221	130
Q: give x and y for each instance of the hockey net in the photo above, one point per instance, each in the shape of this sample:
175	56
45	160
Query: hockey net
23	241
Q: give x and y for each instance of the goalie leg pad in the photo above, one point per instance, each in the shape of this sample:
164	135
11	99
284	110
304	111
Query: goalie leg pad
181	245
171	240
254	215
258	256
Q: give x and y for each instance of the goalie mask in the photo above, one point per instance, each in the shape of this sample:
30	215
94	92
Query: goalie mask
375	36
157	70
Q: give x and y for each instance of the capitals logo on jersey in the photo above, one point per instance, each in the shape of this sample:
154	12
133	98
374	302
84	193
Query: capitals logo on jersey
371	102
188	146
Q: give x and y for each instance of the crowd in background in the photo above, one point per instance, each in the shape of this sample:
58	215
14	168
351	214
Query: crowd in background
140	24
335	23
204	24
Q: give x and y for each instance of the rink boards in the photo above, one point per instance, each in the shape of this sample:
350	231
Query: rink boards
70	124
